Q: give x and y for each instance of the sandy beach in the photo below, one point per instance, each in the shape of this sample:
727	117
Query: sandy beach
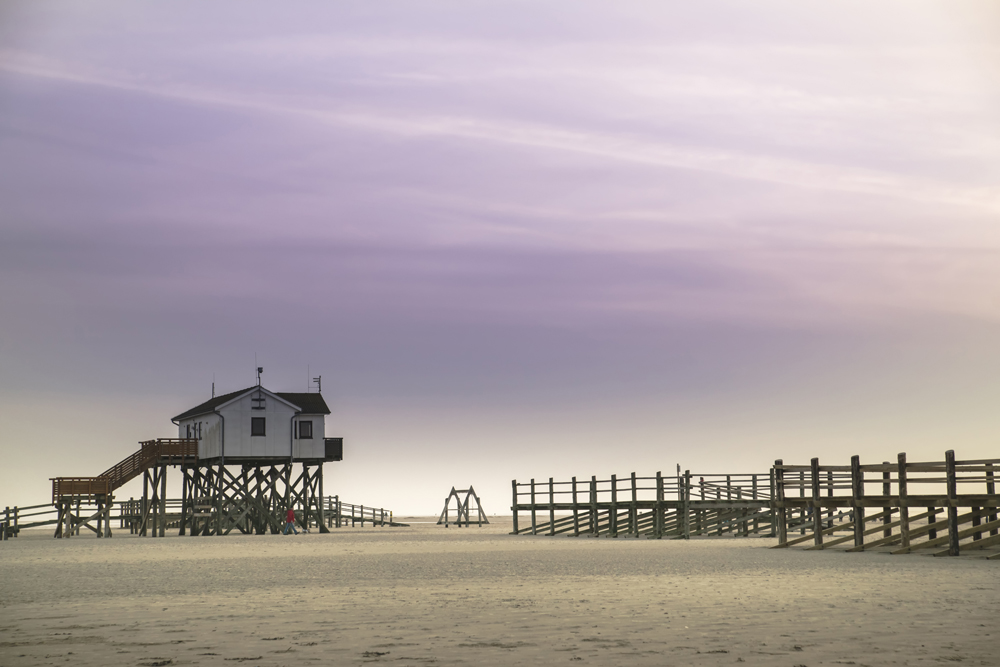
458	596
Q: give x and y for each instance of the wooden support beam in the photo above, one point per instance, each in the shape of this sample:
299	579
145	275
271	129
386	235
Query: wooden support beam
949	457
815	507
858	494
779	501
904	510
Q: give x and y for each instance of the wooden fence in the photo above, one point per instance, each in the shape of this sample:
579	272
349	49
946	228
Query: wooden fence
659	506
915	507
338	514
128	515
830	505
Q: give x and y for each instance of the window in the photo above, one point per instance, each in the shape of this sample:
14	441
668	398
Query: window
189	431
256	426
305	430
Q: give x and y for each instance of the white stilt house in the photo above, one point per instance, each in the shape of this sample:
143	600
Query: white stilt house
256	425
249	441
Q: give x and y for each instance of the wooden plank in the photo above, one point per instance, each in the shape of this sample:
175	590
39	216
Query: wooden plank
904	510
947	539
857	493
841	540
892	539
953	548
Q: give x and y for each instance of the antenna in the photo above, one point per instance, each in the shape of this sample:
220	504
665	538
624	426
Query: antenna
319	383
260	369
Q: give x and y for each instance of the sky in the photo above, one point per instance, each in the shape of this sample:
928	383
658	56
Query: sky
517	240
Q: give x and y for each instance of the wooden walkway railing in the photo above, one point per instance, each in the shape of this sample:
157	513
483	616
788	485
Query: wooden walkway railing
830	504
945	508
170	451
128	514
658	506
338	514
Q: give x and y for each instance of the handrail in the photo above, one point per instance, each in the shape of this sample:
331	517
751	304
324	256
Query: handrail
150	451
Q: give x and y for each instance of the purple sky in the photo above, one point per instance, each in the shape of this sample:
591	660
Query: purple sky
516	239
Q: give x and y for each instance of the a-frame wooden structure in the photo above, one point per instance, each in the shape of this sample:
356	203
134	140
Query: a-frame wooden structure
463	508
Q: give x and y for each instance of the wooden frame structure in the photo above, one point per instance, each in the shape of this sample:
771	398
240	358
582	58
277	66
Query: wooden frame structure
657	507
96	493
129	515
463	508
831	500
919	508
217	497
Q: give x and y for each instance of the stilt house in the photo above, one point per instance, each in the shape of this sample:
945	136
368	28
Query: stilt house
254	425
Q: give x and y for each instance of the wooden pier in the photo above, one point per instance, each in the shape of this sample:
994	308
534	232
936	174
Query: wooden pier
897	507
677	506
916	507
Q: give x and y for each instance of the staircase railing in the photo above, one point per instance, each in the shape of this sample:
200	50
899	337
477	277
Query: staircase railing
150	452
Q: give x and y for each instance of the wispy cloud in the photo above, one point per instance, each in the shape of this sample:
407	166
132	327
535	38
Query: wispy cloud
619	147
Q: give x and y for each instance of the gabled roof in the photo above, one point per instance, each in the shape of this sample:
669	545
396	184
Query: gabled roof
310	404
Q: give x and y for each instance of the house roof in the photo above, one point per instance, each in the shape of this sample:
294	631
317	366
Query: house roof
310	404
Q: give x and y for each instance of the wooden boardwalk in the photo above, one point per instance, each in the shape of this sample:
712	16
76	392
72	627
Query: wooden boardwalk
679	506
899	508
915	507
132	515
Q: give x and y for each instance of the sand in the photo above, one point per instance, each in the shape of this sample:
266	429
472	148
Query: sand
429	595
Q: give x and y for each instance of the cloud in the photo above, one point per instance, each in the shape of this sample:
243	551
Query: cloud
619	147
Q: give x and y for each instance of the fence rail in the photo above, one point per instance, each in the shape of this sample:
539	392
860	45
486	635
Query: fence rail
128	514
917	506
150	453
657	506
813	494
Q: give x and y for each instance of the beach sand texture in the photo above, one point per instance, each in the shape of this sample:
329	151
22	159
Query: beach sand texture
430	595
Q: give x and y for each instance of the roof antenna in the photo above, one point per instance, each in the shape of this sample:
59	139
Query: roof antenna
260	369
319	383
213	385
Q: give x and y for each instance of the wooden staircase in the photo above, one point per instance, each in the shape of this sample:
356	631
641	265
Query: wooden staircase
162	451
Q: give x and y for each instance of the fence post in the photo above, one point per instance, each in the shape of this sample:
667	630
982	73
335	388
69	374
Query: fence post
802	508
513	507
595	523
886	492
817	515
778	496
552	508
991	491
633	509
857	493
687	504
829	494
534	518
658	512
613	523
576	512
949	461
904	510
773	498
